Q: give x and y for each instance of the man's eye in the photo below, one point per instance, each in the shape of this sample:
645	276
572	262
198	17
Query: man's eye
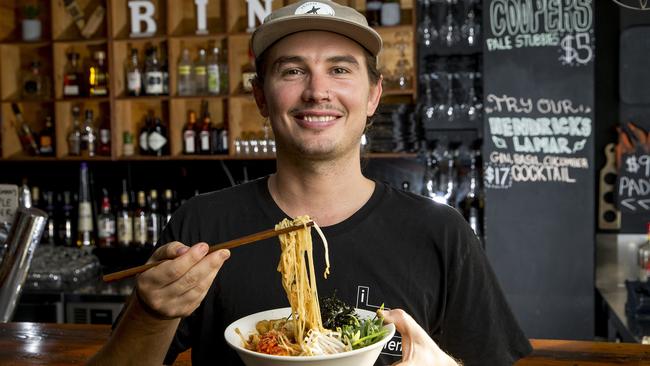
340	70
290	72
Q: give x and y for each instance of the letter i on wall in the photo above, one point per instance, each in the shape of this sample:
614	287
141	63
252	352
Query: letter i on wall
255	10
201	16
142	12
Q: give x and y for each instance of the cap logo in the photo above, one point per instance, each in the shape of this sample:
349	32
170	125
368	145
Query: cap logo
314	8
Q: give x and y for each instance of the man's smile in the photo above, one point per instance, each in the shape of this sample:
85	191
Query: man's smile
316	118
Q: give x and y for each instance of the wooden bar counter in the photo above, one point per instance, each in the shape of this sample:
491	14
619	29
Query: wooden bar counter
23	344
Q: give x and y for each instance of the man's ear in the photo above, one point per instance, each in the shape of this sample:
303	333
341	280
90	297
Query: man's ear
374	96
260	99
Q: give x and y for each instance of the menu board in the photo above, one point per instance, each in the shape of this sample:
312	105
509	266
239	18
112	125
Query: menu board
633	185
538	160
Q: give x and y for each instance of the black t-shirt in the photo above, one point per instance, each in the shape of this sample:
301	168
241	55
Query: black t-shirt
399	249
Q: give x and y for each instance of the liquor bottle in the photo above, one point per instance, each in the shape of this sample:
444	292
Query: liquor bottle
200	74
75	11
204	129
169	207
35	196
164	67
373	12
95	19
124	219
153	76
98	76
89	135
67	226
74	137
214	72
153	219
24	195
644	257
215	132
157	141
106	227
133	74
185	77
34	83
85	212
223	139
472	204
128	148
224	70
104	147
140	222
49	233
143	137
189	134
72	76
248	73
25	133
46	138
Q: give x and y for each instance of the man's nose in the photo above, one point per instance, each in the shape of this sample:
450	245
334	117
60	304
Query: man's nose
317	89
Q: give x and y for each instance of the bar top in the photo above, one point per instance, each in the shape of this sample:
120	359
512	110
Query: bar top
72	344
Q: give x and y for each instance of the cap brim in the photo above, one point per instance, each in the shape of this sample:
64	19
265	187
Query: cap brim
275	30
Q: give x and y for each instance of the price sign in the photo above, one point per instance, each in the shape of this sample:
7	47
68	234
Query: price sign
633	186
498	176
8	202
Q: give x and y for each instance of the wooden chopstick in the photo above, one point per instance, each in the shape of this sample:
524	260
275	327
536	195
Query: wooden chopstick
225	245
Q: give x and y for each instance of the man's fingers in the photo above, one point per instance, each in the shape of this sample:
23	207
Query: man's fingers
200	276
404	323
181	296
169	251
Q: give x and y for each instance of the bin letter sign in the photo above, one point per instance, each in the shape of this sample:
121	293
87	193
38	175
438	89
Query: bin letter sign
633	186
8	202
255	10
142	12
201	17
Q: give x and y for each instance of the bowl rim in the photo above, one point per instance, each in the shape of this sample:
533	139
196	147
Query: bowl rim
231	329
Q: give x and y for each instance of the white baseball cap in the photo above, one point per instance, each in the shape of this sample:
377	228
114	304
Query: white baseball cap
323	15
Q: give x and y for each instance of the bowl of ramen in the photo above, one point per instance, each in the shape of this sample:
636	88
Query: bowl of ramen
268	338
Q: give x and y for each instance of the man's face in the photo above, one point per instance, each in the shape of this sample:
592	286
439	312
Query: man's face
317	94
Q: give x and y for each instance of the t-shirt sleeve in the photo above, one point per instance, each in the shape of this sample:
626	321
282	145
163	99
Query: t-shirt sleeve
478	327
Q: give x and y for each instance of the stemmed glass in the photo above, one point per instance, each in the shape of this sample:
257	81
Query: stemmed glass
427	32
402	74
450	34
471	29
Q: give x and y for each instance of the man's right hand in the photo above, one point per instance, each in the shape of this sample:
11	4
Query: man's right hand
175	288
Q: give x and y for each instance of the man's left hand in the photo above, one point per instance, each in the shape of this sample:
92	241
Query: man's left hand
417	347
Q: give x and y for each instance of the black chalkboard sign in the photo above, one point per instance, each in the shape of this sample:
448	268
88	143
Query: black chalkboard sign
633	184
538	153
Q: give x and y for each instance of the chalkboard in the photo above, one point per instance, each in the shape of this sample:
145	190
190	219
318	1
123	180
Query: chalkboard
539	152
633	184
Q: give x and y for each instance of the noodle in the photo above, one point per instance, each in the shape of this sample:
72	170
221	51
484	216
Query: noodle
298	284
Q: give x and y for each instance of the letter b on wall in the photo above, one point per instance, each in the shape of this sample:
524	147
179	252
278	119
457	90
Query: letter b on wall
142	12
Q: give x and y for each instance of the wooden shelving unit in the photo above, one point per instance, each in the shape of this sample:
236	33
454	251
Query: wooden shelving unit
175	21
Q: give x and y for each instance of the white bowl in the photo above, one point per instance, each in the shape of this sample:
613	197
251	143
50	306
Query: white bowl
365	356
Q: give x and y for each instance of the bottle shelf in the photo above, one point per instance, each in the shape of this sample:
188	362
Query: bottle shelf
89	41
24	157
20	157
82	99
176	29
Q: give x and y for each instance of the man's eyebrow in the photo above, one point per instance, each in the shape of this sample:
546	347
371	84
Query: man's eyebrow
287	60
343	59
299	59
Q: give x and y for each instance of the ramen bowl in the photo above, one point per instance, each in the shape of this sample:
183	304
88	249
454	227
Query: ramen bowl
365	356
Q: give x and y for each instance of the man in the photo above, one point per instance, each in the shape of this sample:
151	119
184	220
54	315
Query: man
318	85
